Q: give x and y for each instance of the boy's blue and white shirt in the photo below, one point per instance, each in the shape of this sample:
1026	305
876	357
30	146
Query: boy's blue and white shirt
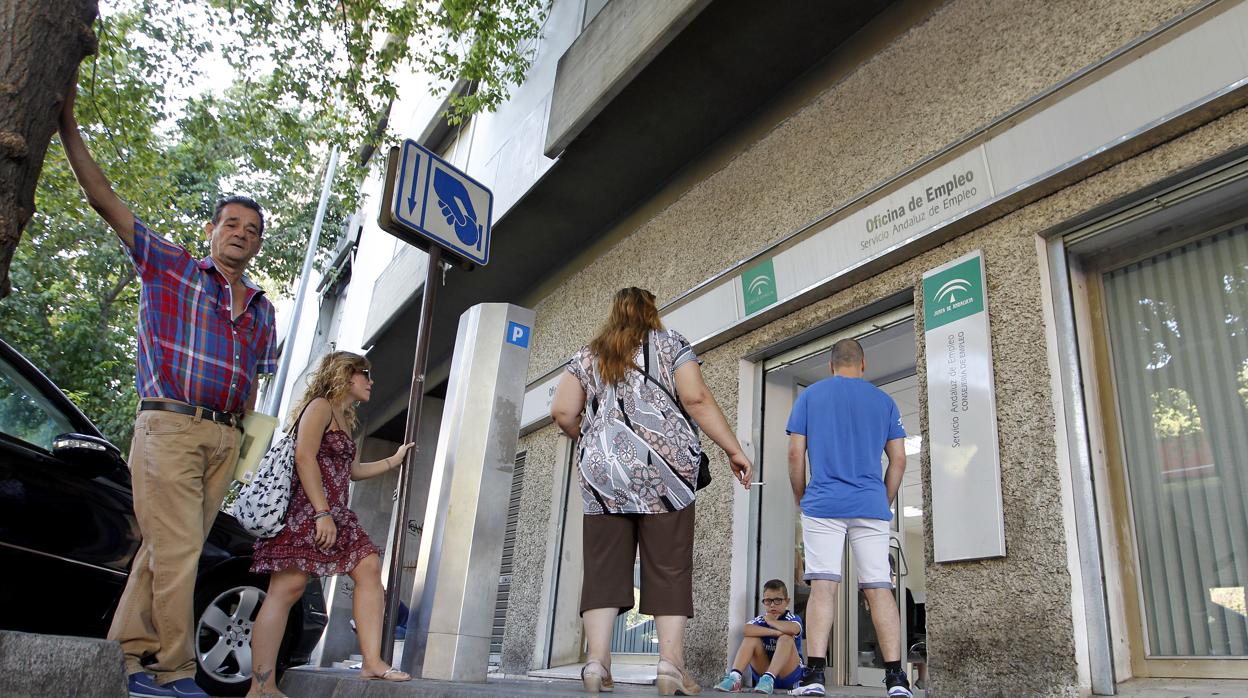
769	643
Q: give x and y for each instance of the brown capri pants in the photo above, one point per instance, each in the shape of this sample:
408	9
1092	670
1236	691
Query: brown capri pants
666	541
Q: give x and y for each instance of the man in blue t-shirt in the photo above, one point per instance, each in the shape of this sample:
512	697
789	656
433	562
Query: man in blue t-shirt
844	424
771	648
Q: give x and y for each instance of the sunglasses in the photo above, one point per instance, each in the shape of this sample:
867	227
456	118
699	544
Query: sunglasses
368	373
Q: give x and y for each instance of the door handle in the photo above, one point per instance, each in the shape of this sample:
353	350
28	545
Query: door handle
894	543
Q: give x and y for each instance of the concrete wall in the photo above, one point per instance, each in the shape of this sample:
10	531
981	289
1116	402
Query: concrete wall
898	93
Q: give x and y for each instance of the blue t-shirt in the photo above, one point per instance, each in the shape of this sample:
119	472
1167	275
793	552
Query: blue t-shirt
846	422
769	643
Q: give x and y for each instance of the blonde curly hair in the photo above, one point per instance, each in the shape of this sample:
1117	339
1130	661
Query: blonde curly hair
331	380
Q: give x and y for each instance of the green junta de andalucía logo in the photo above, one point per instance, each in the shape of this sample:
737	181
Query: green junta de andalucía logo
954	293
758	286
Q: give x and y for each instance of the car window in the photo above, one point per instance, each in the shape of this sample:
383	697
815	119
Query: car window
25	413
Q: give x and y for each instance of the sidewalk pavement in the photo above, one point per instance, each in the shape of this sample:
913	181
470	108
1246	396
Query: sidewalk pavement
345	683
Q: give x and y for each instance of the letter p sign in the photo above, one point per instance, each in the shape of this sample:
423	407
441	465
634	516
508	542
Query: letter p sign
518	334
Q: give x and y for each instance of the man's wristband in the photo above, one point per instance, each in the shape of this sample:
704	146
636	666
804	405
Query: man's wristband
320	515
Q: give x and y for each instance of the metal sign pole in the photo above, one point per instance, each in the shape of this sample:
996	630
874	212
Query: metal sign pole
460	212
394	576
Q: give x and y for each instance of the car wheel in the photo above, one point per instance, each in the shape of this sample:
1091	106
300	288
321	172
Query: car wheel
223	623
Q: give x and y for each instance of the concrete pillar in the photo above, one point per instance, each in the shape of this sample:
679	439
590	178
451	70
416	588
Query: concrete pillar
456	581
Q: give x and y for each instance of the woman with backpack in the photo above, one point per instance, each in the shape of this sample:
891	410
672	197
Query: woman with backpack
321	536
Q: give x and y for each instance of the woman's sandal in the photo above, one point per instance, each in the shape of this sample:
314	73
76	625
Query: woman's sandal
596	680
674	681
390	674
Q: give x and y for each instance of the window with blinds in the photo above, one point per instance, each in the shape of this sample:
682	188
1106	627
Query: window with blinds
1178	330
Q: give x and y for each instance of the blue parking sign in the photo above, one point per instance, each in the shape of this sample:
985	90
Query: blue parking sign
517	334
439	204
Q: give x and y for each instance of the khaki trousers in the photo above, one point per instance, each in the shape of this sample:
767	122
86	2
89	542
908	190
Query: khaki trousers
180	469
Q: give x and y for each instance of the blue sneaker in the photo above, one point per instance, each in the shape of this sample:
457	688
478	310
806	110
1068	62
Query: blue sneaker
185	688
731	683
142	685
766	684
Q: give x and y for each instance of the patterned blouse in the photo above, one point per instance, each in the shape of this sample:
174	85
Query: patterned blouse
638	451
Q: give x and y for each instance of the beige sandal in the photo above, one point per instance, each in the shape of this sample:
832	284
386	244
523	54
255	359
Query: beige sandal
595	681
674	681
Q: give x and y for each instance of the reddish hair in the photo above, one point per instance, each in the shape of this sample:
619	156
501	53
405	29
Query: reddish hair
633	315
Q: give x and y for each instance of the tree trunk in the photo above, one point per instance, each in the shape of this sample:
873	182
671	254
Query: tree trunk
41	44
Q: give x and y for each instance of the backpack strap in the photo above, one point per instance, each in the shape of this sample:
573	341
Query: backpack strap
645	354
294	428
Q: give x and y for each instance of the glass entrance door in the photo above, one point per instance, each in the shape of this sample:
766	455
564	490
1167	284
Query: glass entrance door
906	555
889	343
1175	329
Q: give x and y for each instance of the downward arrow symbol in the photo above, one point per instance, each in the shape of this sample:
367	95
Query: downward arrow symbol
411	197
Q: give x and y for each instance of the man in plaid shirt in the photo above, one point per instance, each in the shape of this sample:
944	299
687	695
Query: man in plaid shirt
205	331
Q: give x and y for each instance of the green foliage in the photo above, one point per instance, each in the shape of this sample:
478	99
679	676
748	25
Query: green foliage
317	49
172	147
1174	414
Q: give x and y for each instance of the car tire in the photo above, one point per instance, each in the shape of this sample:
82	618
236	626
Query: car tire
225	611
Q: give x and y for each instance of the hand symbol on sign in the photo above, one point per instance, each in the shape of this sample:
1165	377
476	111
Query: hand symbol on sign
456	206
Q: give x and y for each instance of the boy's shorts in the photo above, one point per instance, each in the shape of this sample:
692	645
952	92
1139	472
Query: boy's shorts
824	541
785	682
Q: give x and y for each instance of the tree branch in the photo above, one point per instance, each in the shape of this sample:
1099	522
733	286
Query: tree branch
122	282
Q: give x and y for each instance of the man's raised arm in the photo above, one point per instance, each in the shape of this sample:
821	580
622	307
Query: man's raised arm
99	192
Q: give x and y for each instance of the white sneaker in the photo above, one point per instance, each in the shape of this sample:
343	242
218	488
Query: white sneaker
811	684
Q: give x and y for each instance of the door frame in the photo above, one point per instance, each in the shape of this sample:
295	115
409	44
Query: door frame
877	317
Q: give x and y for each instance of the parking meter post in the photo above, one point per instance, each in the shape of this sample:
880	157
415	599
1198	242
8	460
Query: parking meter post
394	576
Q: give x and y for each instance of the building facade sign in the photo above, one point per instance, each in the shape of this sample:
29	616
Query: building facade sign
535	411
758	287
967	519
904	215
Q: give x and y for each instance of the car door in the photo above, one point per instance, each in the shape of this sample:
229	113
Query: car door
67	531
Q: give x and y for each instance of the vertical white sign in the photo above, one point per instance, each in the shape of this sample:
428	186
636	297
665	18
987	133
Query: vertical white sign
967	520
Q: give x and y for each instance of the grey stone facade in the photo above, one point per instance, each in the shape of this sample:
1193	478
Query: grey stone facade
896	95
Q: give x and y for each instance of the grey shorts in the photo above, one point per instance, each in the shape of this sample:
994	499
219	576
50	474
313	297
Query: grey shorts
824	541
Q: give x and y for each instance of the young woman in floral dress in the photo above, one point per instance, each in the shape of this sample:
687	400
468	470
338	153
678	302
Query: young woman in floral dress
322	536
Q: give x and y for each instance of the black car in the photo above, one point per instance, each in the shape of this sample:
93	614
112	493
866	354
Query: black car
68	535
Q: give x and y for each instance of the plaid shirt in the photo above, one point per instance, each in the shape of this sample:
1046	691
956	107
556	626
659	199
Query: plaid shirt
190	348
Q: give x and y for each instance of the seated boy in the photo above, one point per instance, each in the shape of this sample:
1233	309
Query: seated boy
772	646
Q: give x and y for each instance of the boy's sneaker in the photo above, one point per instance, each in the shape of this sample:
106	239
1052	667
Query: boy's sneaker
766	684
897	684
811	683
731	683
143	685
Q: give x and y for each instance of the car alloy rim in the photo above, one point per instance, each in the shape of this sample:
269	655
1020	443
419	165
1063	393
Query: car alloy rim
223	634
